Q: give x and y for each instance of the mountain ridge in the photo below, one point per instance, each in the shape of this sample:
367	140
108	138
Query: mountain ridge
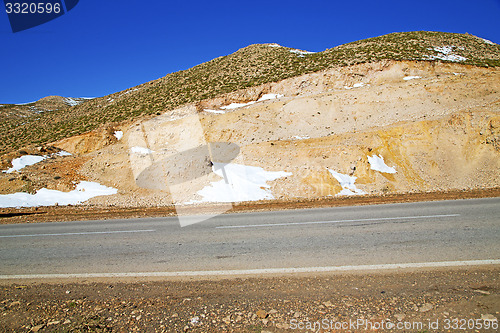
251	66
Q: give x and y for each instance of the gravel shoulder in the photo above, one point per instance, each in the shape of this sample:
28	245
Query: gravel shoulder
87	212
273	304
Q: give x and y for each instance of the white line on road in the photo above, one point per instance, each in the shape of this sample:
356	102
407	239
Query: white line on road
78	233
339	221
439	264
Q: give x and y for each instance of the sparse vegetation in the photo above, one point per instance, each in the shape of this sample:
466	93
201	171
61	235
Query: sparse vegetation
24	125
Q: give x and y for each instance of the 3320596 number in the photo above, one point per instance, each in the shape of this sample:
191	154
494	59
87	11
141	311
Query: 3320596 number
471	324
32	8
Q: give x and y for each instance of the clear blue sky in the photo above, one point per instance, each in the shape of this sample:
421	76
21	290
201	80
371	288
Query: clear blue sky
104	46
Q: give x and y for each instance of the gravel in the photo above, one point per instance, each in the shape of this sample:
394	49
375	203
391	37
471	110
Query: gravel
277	304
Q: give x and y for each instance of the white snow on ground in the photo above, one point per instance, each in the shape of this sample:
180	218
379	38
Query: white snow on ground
24	161
301	53
356	85
44	197
34	109
118	135
72	102
488	41
297	137
347	183
128	92
446	54
232	106
267	97
214	111
63	153
377	163
141	150
407	78
244	183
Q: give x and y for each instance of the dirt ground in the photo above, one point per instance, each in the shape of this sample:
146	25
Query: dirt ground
461	298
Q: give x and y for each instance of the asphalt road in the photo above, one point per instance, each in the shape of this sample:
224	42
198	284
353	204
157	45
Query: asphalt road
363	235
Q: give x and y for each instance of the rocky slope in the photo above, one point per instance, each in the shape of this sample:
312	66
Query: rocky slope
439	132
248	67
373	127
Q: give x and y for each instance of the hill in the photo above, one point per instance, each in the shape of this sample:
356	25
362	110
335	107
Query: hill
251	66
397	114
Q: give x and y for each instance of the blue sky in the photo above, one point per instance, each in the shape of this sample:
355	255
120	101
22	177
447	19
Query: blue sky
101	47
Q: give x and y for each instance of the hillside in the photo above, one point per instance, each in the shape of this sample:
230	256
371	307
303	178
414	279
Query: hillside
251	66
270	122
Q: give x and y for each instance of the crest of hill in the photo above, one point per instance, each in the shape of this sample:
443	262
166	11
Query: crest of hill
247	67
46	104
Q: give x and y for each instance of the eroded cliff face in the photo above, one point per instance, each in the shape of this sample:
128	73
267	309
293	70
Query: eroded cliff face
436	125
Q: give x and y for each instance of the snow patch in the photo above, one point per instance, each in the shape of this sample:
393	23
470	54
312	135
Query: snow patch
24	161
297	137
267	97
244	183
63	153
301	53
35	110
347	183
356	85
407	78
214	111
487	41
118	135
141	150
445	53
72	102
45	197
232	106
128	92
377	163
75	101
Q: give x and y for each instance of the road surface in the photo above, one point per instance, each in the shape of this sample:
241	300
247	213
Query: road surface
442	231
